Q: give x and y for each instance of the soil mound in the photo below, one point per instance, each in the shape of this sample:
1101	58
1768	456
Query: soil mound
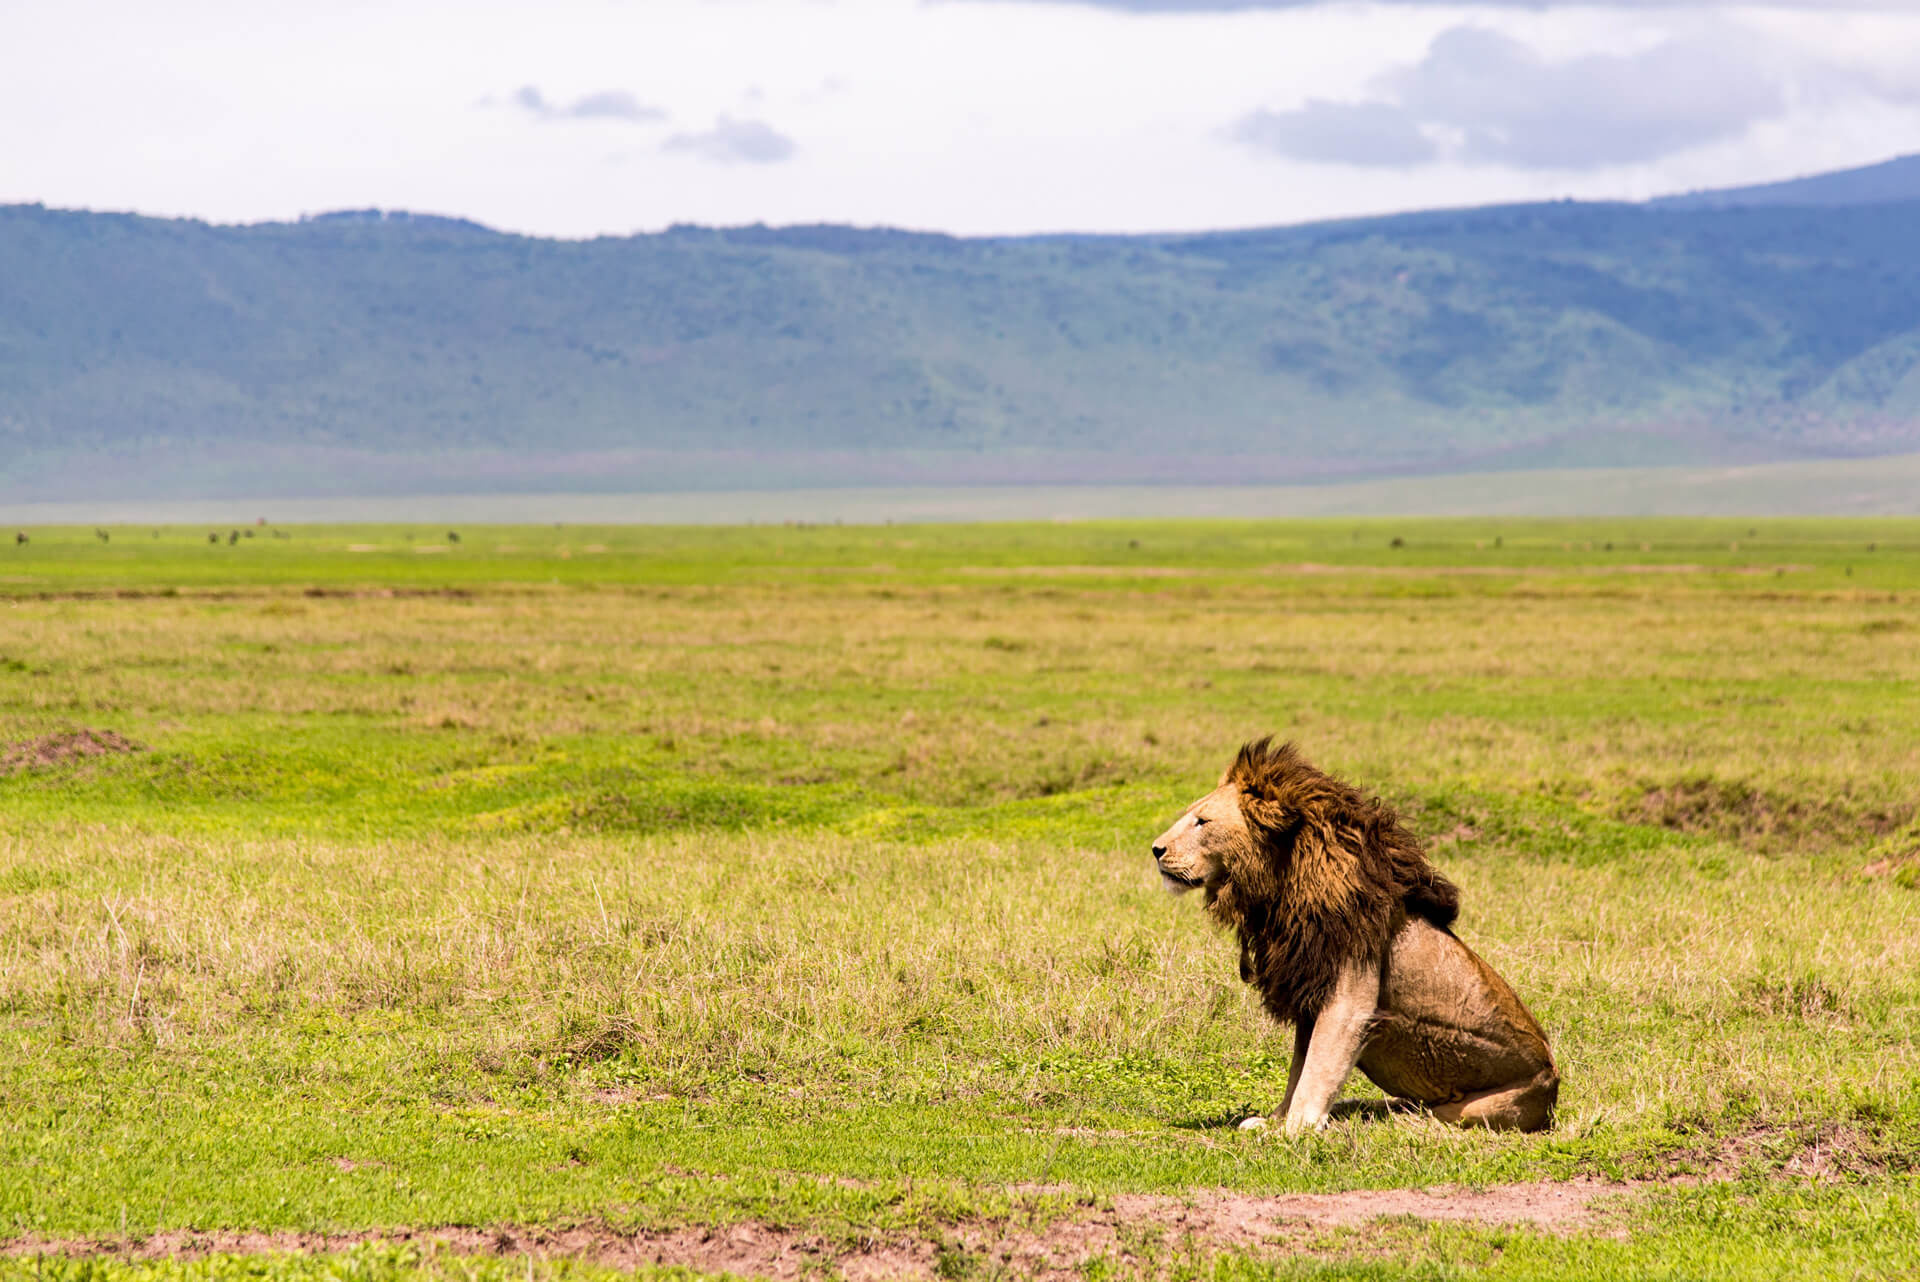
1758	818
58	749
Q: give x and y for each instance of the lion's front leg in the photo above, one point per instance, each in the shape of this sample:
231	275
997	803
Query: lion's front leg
1302	1034
1302	1038
1332	1046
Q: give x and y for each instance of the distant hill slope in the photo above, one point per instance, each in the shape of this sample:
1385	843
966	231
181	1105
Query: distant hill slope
1885	183
368	354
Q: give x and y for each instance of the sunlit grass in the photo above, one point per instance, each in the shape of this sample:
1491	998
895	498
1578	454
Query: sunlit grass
761	886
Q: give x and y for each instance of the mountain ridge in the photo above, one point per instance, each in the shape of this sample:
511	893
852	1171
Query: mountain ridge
1887	182
367	351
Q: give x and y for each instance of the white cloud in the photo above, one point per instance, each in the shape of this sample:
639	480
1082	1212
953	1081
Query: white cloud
964	115
1244	6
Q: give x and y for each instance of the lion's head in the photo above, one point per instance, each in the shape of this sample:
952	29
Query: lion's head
1309	872
1239	839
1205	842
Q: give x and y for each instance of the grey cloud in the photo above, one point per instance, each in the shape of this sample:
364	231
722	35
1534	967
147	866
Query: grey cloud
1515	108
730	141
613	104
1353	133
605	104
1499	102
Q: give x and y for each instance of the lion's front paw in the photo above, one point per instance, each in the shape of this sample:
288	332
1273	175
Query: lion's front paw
1304	1122
1255	1123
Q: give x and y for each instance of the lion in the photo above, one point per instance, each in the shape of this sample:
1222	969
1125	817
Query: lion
1344	929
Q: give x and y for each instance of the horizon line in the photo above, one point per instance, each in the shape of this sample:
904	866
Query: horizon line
377	214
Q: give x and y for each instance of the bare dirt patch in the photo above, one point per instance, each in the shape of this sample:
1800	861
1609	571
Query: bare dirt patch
1898	857
1739	812
1453	836
58	749
1812	1151
1146	1232
1903	870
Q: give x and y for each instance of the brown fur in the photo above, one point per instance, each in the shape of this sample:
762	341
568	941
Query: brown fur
1328	877
1343	928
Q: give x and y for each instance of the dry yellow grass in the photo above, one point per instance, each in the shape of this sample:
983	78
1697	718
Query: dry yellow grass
826	895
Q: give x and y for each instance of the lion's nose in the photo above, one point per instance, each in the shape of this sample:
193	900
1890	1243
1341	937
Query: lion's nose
1159	852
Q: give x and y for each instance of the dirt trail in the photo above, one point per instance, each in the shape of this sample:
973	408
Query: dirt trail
1202	1223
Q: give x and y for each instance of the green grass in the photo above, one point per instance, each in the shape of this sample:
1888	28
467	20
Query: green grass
372	1263
654	877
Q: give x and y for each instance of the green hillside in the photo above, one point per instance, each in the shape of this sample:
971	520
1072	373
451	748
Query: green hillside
357	355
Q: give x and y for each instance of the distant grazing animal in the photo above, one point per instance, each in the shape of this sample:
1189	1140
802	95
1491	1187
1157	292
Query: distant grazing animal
20	536
1343	928
213	536
453	536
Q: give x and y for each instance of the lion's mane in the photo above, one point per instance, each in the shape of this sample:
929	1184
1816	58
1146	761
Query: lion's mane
1328	876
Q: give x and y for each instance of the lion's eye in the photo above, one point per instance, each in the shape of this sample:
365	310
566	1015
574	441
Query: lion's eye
1198	822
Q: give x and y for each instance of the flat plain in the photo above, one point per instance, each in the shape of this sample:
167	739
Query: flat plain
561	901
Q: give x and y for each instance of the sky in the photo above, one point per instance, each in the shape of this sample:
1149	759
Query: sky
580	118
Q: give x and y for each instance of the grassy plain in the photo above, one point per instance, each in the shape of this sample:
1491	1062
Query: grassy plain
796	876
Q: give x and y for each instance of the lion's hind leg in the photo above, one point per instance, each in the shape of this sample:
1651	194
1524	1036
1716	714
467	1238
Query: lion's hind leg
1526	1106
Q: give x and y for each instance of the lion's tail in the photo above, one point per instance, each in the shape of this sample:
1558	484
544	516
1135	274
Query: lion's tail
1433	897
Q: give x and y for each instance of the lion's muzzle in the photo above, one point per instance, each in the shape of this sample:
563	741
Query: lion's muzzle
1175	883
1178	885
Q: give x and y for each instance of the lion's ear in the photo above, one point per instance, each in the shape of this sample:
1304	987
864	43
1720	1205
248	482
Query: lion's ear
1265	815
